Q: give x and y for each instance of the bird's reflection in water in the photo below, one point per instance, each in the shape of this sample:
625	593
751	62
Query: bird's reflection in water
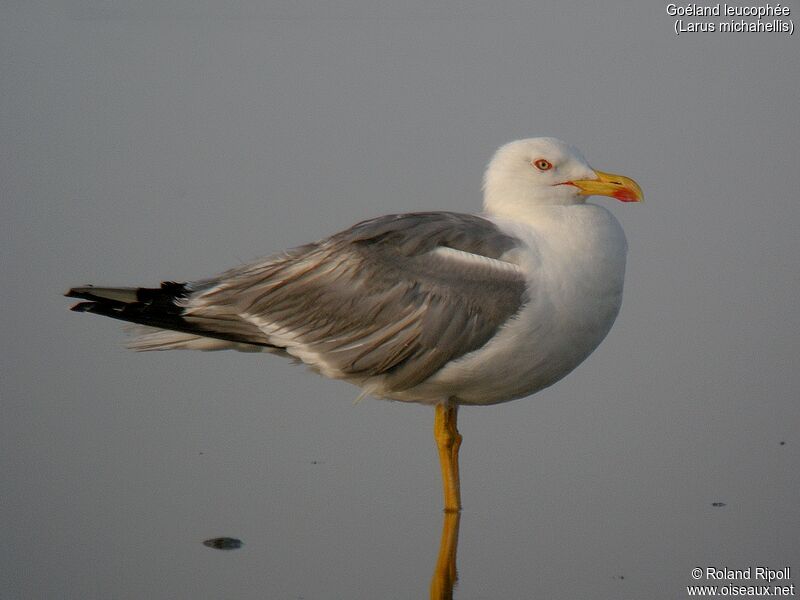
444	574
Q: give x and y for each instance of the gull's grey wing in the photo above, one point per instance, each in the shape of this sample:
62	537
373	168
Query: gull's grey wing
396	297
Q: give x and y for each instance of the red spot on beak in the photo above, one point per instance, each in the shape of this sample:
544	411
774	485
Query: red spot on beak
625	195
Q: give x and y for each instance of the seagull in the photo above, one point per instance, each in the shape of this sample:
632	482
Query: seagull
440	308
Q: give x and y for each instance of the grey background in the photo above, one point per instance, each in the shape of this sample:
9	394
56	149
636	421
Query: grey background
173	139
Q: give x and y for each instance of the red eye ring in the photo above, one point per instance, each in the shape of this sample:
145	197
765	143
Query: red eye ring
542	164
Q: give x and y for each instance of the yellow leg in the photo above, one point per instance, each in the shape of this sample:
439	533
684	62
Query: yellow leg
444	574
449	441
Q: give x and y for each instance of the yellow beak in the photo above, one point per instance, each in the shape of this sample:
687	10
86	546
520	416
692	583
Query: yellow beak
609	184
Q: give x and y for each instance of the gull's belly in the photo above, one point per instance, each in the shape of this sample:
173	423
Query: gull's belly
535	350
551	336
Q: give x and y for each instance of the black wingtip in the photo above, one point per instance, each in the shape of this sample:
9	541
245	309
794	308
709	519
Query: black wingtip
91	292
73	292
82	306
153	307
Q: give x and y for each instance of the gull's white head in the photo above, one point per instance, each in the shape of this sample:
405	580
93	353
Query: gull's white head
546	171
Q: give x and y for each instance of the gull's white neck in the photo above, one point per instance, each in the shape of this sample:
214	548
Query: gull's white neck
518	202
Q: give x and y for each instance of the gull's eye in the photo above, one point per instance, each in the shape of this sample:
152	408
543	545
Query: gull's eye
542	164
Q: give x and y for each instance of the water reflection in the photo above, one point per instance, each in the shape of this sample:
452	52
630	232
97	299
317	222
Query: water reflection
444	574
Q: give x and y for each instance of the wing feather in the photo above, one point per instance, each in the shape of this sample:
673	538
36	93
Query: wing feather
396	297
